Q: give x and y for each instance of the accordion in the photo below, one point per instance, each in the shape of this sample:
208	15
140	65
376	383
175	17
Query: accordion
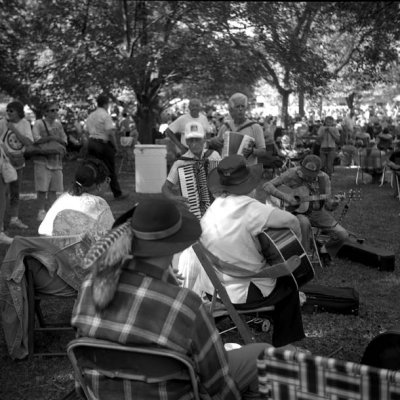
193	185
235	143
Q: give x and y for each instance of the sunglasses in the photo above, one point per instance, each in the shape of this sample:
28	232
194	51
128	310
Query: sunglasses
53	110
10	111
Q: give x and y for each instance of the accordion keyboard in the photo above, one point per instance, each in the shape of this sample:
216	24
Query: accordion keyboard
188	184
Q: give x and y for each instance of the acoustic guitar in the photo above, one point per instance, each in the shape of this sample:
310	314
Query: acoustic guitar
305	200
278	245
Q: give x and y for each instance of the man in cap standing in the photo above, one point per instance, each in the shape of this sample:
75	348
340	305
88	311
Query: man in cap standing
195	139
308	179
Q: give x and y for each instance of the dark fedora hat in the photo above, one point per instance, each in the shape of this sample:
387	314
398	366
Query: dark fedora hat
160	229
233	176
152	228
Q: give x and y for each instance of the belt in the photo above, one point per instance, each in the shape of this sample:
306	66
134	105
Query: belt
99	140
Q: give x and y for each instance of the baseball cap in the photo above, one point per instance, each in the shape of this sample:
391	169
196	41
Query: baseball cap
194	130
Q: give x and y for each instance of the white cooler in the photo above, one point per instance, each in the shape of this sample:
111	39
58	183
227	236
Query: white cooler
150	167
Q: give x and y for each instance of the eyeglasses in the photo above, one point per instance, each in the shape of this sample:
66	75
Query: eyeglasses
53	110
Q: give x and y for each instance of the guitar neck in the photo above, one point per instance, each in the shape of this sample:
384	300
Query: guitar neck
315	197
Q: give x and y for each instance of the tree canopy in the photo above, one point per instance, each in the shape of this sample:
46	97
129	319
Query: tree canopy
69	49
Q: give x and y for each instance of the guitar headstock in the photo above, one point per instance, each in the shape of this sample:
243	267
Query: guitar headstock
352	194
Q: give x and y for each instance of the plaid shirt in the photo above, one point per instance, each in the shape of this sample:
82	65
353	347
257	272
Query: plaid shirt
148	310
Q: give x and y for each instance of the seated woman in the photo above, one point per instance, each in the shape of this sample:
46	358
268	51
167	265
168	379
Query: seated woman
72	224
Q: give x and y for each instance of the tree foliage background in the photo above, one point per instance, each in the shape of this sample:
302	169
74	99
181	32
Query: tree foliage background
70	49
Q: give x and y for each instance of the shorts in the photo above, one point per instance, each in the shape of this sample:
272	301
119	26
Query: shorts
48	180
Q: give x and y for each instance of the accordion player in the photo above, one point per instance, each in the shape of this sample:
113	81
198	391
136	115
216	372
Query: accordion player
187	180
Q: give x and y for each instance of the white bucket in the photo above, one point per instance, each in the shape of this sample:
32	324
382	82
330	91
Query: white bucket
150	167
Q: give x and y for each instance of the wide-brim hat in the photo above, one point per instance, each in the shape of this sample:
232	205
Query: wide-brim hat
161	229
152	228
232	175
311	165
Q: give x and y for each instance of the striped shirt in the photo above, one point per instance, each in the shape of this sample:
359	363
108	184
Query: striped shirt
149	310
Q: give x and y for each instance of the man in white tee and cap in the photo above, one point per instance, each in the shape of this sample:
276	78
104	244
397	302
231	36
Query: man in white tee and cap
195	138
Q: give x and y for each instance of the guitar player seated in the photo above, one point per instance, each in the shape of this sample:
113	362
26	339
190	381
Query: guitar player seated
307	178
230	229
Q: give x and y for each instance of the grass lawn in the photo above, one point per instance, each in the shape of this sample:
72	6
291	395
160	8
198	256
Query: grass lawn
375	217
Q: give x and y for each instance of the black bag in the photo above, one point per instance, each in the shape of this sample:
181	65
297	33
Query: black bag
338	300
382	259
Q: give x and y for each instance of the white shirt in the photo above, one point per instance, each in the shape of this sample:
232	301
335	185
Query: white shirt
12	143
229	230
178	126
98	123
94	207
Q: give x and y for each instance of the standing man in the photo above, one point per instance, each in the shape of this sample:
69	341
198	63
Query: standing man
178	126
195	136
48	169
329	137
102	141
239	123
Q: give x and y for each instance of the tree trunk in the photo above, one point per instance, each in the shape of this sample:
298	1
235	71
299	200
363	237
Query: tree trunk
350	101
301	104
148	116
321	103
285	105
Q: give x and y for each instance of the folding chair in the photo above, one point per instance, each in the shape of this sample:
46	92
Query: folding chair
219	291
395	179
284	374
126	365
387	176
34	310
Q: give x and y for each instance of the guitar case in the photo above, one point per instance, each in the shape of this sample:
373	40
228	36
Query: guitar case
382	259
337	300
383	351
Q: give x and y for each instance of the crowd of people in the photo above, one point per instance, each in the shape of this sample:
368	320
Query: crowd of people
121	268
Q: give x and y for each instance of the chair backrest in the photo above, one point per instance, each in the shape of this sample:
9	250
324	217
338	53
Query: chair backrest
288	375
125	365
72	222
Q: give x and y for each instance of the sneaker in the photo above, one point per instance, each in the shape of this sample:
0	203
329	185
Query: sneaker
41	215
4	239
15	222
326	259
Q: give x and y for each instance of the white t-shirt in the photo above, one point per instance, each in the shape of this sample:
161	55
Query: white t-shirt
229	230
178	126
12	143
99	221
98	123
